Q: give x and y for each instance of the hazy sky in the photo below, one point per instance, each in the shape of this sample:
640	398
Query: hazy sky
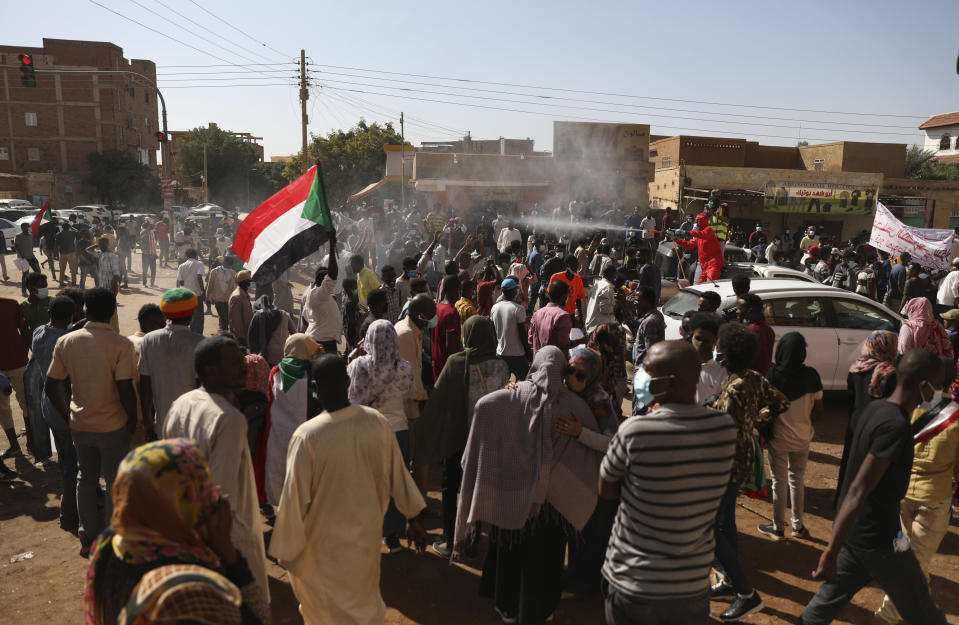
886	57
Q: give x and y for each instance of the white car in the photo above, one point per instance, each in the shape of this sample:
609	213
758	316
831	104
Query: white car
18	204
81	216
834	322
95	210
10	230
762	270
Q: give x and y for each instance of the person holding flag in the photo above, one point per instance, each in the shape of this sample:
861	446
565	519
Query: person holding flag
26	261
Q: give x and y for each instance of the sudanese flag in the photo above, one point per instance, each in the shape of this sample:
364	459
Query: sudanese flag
43	215
287	227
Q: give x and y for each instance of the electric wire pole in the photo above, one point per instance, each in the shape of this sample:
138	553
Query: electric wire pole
403	165
304	96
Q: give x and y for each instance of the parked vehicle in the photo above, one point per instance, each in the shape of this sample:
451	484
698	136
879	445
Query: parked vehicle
17	204
10	230
835	322
95	210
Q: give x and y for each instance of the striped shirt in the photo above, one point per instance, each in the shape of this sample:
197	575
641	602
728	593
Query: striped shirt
673	465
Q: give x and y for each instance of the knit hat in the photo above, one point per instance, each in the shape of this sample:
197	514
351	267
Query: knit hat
509	283
178	303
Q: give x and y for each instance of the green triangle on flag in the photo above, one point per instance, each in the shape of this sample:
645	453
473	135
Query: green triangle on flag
316	208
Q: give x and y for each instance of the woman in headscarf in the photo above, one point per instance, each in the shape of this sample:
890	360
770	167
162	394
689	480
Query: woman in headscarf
380	379
873	375
792	433
442	429
607	340
923	331
290	404
531	484
169	523
586	556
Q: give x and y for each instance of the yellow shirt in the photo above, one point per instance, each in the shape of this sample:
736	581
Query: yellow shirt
934	465
366	281
94	358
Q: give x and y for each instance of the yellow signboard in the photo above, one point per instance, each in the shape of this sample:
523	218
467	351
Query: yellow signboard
820	197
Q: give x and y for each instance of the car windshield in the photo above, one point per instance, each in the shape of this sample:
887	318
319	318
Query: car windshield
681	303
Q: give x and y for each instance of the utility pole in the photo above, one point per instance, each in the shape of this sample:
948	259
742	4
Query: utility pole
304	96
206	187
403	165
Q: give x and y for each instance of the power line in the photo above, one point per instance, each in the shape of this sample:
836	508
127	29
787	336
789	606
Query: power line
250	37
291	77
272	84
232	65
163	17
637	106
236	45
511	110
267	71
394	113
162	34
621	95
615	111
345	98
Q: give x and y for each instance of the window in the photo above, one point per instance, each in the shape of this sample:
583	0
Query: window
851	314
944	141
30	119
667	161
33	154
797	312
146	97
819	164
4	154
146	123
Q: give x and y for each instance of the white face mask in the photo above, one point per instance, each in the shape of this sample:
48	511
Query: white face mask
928	405
43	292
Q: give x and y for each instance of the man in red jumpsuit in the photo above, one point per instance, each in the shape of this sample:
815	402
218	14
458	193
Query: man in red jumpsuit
710	253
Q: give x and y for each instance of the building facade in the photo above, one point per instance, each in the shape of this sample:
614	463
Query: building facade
177	137
47	131
942	136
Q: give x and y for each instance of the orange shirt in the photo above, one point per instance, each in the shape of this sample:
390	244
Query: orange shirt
576	290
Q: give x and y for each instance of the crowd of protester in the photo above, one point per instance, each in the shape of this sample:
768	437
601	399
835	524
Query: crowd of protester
524	369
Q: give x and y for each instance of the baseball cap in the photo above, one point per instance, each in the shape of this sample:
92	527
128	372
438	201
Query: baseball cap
509	283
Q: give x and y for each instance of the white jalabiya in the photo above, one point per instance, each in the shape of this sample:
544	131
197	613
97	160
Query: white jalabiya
287	412
342	469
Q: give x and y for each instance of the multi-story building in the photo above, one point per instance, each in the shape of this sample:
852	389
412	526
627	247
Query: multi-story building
942	136
47	131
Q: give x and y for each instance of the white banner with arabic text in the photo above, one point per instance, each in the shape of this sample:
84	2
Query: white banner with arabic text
928	246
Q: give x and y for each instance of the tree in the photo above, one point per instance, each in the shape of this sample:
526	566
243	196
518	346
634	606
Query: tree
265	180
916	158
351	160
121	179
802	143
229	160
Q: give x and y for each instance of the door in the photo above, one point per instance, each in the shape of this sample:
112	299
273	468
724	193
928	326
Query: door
854	320
808	316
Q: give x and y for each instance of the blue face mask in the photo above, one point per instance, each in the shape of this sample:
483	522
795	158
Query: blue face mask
411	273
642	396
432	323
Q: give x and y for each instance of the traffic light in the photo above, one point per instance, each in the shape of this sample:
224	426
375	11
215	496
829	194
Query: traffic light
28	77
161	136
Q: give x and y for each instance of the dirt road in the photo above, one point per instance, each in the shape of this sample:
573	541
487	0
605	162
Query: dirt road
426	590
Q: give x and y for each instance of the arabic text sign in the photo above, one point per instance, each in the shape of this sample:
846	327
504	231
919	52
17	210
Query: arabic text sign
819	197
927	246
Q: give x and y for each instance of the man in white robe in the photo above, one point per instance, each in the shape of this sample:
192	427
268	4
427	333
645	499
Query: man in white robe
342	468
208	416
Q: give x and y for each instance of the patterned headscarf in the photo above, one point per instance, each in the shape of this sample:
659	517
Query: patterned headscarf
877	355
590	362
183	593
163	491
607	341
380	374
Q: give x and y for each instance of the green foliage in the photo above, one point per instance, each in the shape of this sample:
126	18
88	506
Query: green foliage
923	164
229	160
802	143
351	159
120	179
916	157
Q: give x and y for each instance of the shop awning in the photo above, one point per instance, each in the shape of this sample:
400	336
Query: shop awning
370	188
439	185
